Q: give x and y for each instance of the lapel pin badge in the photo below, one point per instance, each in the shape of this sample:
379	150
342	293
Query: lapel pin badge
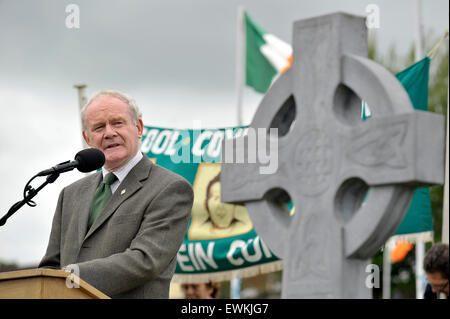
123	191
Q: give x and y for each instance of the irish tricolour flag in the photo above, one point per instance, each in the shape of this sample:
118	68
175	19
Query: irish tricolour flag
266	56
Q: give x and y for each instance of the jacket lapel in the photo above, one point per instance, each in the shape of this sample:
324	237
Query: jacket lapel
131	184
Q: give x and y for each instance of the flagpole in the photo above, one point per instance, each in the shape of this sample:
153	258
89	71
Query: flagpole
445	220
386	289
235	283
240	61
420	245
82	100
418	52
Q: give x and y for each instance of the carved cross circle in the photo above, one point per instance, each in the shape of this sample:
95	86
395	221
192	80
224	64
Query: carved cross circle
351	181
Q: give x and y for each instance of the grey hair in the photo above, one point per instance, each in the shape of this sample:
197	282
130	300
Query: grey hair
134	109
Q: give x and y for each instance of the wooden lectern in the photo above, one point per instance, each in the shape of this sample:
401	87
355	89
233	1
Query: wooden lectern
45	284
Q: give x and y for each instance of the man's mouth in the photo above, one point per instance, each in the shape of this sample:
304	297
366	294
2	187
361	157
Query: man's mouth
111	146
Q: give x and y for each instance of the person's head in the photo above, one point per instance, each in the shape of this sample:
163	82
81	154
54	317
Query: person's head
208	290
436	266
220	214
113	123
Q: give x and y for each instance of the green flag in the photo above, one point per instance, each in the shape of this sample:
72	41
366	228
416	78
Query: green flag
415	80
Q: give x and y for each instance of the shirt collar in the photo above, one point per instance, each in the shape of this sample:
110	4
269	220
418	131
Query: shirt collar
122	172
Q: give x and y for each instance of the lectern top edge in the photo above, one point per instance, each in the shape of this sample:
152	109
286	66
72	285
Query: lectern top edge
33	273
26	274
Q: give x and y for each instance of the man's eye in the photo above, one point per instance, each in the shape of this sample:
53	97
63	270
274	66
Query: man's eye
98	128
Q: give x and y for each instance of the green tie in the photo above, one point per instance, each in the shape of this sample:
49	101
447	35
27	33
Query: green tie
101	197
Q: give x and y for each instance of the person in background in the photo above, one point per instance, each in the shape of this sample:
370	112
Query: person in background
208	290
436	266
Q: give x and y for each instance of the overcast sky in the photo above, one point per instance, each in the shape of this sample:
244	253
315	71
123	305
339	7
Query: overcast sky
175	57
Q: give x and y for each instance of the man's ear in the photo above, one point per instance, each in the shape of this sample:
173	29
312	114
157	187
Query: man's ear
85	137
140	127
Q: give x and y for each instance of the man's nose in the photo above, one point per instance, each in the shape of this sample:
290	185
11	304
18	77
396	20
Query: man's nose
109	131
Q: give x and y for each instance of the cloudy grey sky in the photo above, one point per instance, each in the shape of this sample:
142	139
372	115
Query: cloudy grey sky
175	57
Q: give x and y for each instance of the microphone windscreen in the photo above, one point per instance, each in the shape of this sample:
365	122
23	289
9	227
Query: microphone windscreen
89	159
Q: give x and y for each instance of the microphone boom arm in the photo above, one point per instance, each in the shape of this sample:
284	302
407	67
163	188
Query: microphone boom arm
85	161
29	193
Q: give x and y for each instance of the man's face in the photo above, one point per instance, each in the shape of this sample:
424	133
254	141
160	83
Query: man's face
222	214
438	284
110	128
197	291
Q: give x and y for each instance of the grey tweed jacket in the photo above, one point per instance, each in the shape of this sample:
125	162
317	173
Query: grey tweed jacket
130	250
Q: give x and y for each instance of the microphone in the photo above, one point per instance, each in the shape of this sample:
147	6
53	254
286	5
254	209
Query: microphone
85	161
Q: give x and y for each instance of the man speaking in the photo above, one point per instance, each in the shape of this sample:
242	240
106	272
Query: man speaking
121	227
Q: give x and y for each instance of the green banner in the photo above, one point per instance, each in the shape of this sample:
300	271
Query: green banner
220	238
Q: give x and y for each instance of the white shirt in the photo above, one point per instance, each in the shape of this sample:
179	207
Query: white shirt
122	172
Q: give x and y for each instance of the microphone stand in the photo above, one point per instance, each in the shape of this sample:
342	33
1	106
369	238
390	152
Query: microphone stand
29	193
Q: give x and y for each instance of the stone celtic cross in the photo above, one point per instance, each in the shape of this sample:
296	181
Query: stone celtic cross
350	181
